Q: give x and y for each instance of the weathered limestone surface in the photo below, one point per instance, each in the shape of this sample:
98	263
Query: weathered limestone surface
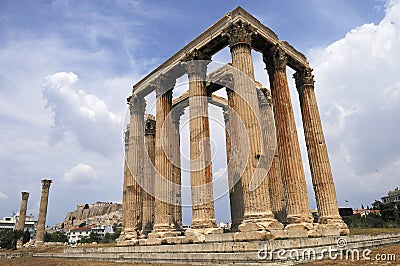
321	172
163	223
298	210
177	112
276	189
43	211
22	215
200	151
149	172
132	203
22	211
257	207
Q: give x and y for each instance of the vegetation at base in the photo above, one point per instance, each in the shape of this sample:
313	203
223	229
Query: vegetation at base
55	237
373	231
388	217
9	238
108	238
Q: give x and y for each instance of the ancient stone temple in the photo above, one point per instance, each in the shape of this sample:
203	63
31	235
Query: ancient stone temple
267	185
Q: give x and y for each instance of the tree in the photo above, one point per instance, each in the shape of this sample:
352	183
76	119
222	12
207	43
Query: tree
26	237
58	237
9	238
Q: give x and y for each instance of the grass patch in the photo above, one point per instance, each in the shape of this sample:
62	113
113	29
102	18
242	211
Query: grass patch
373	231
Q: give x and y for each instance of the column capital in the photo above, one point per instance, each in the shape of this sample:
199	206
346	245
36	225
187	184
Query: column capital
276	59
196	64
304	77
46	183
136	104
239	33
163	84
25	195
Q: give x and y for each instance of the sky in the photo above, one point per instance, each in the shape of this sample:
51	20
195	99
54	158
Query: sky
67	68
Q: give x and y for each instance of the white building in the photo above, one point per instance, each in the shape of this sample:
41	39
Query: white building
76	234
11	223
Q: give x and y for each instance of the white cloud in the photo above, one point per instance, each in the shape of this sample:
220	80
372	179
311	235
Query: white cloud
85	115
357	85
3	196
81	173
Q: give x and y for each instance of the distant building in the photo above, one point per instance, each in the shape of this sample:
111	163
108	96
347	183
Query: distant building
101	230
11	223
393	196
365	212
76	234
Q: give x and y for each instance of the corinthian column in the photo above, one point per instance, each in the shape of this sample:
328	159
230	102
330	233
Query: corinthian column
258	216
234	181
22	214
321	172
177	112
276	189
298	212
42	211
200	152
132	208
148	182
163	224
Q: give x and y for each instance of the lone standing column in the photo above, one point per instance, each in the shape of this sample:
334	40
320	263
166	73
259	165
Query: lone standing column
42	211
258	216
318	156
298	210
200	152
22	211
22	214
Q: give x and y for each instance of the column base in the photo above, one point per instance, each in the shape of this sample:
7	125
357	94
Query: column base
203	224
39	243
128	237
260	229
193	235
333	226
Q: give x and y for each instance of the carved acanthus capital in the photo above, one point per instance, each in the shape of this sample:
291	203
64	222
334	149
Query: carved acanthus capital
196	64
136	104
46	184
276	59
163	83
264	96
240	33
25	195
304	77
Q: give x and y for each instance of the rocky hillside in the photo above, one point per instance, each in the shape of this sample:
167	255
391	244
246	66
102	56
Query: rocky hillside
97	213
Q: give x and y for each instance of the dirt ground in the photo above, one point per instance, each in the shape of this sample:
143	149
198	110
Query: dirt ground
388	252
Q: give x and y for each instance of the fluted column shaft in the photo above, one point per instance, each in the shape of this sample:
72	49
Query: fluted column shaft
43	210
22	211
176	167
291	164
200	151
234	181
321	172
255	185
134	180
164	180
149	172
276	189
